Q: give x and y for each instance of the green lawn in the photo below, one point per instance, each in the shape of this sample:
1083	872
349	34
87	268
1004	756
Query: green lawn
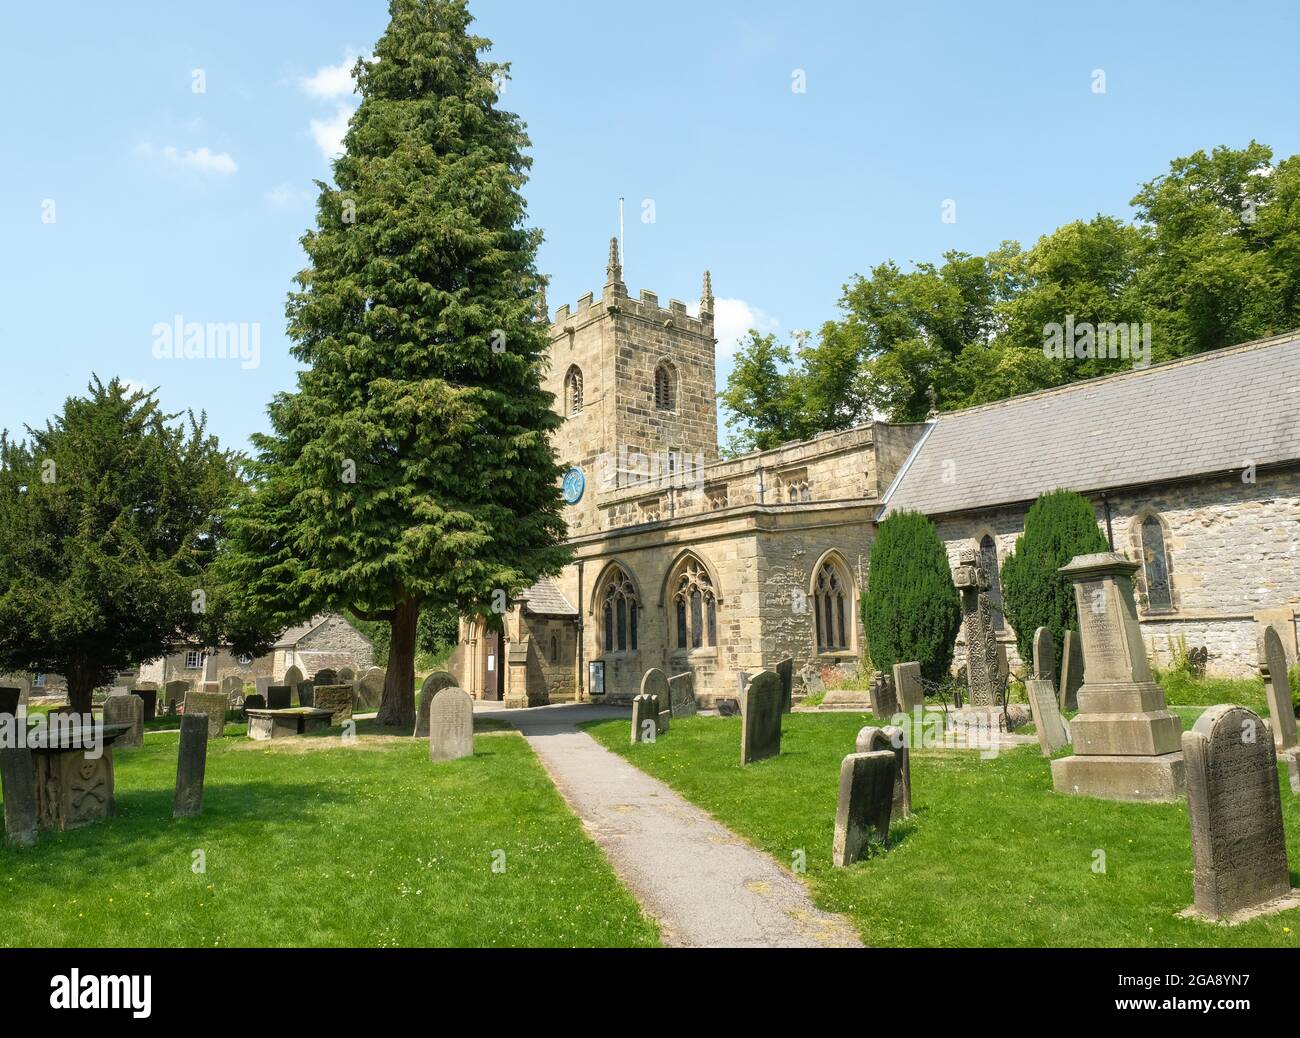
992	857
364	845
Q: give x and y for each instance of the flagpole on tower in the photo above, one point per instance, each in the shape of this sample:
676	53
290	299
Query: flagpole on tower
622	240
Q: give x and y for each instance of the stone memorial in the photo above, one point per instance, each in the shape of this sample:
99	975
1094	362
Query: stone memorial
645	719
347	676
908	690
785	671
214	706
681	695
73	787
1071	671
873	740
1282	620
761	716
305	694
1238	843
149	697
337	699
982	660
233	688
278	697
126	710
655	683
433	684
262	684
211	688
451	725
17	779
264	725
254	702
727	707
1277	688
811	679
1053	731
865	798
370	689
1045	655
1126	742
20	682
174	692
191	764
328	676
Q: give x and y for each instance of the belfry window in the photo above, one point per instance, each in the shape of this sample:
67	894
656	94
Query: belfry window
573	392
665	387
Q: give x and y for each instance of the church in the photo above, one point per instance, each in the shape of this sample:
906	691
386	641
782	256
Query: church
684	561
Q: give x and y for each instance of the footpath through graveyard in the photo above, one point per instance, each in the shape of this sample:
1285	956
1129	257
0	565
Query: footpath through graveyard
703	884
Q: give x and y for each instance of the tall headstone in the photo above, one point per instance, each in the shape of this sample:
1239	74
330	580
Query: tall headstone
451	725
233	687
645	719
1053	732
21	682
865	797
982	663
1045	655
17	779
213	706
149	697
337	699
370	689
328	676
262	684
347	676
655	683
127	710
873	740
1071	671
785	671
305	693
1235	810
191	764
761	720
433	684
1282	620
1277	687
174	692
883	695
681	694
908	687
1126	742
278	697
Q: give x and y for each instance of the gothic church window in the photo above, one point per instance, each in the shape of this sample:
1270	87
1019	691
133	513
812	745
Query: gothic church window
696	608
619	612
1155	565
665	387
832	611
573	391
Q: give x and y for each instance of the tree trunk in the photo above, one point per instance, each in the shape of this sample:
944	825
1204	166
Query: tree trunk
81	686
397	709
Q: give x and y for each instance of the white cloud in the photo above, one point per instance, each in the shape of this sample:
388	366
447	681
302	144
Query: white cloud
197	160
283	196
328	133
732	320
331	81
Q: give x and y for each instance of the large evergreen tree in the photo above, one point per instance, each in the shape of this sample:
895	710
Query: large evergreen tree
412	468
109	521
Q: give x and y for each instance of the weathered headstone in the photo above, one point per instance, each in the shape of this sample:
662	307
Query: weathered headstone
761	728
681	694
645	719
1053	732
127	710
451	725
279	697
174	692
812	679
873	740
1238	843
1045	655
211	704
149	697
328	676
907	687
337	699
884	695
191	764
865	798
305	693
293	677
655	683
254	702
233	687
1282	620
1071	671
982	661
262	684
21	682
433	684
211	688
727	707
785	671
1126	742
370	689
17	779
347	675
1277	688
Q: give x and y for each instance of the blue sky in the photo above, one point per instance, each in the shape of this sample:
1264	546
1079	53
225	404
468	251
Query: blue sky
167	201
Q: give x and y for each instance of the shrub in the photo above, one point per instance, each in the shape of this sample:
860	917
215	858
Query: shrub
912	611
1059	526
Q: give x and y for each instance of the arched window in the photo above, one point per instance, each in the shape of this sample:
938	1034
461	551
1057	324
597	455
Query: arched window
619	611
695	606
989	563
573	391
1155	565
555	649
832	610
665	387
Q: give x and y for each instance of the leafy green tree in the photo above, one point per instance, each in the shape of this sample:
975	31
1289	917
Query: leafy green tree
762	397
109	520
912	610
412	468
1058	527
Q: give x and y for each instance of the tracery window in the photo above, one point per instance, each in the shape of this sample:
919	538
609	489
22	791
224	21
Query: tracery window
695	606
831	609
620	613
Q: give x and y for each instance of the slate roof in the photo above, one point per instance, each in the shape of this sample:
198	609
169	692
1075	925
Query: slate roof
294	635
546	599
1198	416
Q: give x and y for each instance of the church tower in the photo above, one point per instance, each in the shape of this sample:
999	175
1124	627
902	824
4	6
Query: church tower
636	385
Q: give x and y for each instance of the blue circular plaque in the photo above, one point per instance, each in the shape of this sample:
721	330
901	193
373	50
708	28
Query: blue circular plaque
575	485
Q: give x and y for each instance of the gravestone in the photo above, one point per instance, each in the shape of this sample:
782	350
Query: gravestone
1126	742
655	683
149	697
1235	810
1071	671
254	702
262	684
278	697
211	688
681	695
347	676
727	707
10	698
1282	620
17	780
812	679
1053	732
883	695
174	692
20	682
785	671
645	719
982	660
211	704
908	689
305	693
451	725
433	684
873	740
233	687
191	764
337	699
370	689
1045	655
1277	688
328	676
760	736
293	677
865	798
127	710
